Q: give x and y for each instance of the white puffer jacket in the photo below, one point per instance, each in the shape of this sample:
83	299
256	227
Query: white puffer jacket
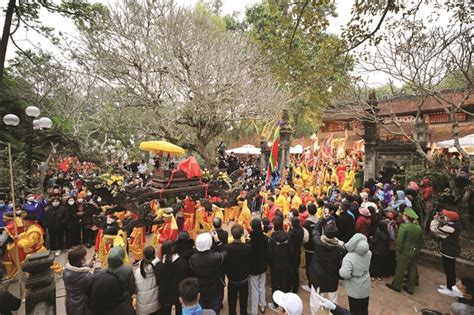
147	291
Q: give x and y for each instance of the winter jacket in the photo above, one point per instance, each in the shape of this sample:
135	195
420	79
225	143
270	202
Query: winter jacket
223	238
105	295
345	226
427	190
326	262
401	200
363	225
448	233
71	215
237	261
279	251
309	225
76	282
355	267
170	275
295	242
147	291
379	240
207	267
55	217
258	253
124	272
9	302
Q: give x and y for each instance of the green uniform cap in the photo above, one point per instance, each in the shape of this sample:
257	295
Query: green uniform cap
410	213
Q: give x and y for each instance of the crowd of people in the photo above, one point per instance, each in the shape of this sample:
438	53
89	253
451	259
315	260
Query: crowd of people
329	222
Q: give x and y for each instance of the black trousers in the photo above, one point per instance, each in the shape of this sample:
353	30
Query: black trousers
88	236
294	276
391	263
240	290
449	267
279	280
308	258
359	306
56	238
166	309
73	235
378	266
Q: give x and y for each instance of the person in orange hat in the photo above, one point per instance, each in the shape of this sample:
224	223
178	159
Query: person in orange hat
447	227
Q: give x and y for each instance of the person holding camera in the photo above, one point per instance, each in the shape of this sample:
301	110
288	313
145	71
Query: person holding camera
77	276
447	227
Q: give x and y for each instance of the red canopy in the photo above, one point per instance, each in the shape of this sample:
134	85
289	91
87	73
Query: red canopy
190	167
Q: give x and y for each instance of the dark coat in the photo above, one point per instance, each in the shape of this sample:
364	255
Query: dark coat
345	226
279	251
448	234
71	213
105	295
223	237
379	241
169	276
55	217
237	261
259	253
8	302
207	267
295	242
326	262
309	226
76	282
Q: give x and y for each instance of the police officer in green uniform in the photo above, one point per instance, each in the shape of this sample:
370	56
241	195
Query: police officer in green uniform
409	242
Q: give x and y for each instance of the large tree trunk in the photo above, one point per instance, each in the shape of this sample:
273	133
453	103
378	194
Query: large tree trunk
203	152
5	36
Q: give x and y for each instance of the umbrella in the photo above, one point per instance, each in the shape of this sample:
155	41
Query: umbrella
161	146
297	149
466	141
245	149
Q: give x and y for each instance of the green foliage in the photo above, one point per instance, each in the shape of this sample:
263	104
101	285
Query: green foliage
301	54
19	172
456	80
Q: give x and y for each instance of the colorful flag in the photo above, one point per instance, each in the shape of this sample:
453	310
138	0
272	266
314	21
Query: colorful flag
274	150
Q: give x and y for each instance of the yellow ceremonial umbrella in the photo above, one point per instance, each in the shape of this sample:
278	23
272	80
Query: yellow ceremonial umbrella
161	146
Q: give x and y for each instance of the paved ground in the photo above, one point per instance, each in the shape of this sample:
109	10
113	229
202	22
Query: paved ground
382	300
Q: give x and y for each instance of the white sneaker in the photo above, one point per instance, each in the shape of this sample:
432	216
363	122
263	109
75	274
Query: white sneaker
457	292
272	307
442	286
58	252
306	288
450	293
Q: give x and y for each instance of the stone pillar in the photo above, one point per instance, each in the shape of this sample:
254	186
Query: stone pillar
370	137
264	155
285	142
40	285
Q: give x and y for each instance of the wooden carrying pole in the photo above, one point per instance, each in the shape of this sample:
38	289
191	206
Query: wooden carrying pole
17	258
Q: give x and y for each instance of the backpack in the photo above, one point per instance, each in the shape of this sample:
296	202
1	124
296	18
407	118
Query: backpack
105	292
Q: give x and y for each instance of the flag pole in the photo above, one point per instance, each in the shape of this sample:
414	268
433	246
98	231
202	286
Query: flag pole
17	255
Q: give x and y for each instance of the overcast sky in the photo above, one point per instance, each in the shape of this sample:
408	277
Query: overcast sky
31	39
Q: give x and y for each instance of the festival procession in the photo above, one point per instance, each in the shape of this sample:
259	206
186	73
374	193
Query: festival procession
231	157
